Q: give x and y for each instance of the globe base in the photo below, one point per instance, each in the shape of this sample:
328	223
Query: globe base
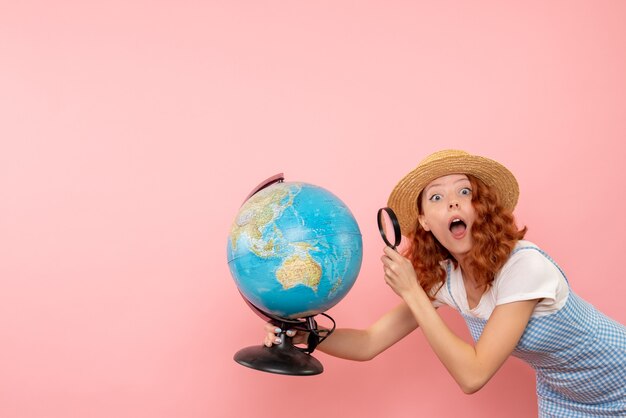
283	358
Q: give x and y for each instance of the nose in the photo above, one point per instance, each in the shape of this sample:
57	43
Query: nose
453	205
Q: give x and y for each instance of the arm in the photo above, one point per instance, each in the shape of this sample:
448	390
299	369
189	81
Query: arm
470	366
473	366
366	344
362	345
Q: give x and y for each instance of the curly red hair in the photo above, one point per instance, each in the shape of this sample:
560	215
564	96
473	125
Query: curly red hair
494	235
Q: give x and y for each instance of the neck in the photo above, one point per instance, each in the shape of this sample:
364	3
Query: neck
464	264
463	261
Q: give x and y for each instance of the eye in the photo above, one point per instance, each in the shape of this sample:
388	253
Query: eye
435	198
466	191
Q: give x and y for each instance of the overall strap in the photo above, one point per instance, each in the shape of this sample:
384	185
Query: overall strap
546	256
448	263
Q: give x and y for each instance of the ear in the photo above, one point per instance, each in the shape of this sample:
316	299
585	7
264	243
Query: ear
423	223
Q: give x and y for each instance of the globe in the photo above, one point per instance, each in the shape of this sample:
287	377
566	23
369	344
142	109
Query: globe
294	250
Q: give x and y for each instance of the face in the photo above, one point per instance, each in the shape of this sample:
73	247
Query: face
448	212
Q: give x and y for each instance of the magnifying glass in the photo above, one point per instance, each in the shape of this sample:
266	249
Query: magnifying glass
389	227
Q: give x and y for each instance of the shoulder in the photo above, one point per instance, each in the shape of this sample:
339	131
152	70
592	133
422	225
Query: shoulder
528	274
528	258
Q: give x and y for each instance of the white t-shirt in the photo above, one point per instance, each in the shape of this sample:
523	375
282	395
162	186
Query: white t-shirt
526	275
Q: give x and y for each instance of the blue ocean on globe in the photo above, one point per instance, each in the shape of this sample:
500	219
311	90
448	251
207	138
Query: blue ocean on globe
294	250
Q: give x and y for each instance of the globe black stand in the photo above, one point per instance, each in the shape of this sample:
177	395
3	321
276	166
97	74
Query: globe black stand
283	358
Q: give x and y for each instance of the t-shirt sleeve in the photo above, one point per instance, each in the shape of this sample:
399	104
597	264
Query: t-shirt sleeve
527	275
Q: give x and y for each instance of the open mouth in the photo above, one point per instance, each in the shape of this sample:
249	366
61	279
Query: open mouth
457	227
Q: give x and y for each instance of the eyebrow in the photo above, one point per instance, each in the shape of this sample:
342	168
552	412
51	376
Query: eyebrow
439	184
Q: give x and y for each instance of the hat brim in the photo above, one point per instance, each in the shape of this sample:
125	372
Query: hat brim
403	198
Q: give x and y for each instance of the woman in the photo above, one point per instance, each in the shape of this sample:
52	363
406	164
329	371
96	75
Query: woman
466	252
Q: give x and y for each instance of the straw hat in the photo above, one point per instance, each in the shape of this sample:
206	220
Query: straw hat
403	198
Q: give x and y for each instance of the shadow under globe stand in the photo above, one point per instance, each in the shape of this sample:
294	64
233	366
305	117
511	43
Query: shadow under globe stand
336	239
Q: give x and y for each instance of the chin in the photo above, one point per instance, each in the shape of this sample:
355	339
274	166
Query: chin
459	253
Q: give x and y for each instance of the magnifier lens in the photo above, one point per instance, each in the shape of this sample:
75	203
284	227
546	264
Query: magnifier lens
387	226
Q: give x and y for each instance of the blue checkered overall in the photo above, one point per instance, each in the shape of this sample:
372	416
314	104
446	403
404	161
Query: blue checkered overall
579	356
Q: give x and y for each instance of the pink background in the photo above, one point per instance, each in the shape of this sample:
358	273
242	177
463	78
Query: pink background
132	131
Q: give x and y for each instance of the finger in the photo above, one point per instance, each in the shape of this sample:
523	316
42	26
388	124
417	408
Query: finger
291	332
391	268
393	254
269	327
272	339
386	260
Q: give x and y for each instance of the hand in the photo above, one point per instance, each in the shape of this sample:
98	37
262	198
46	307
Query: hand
273	335
399	273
